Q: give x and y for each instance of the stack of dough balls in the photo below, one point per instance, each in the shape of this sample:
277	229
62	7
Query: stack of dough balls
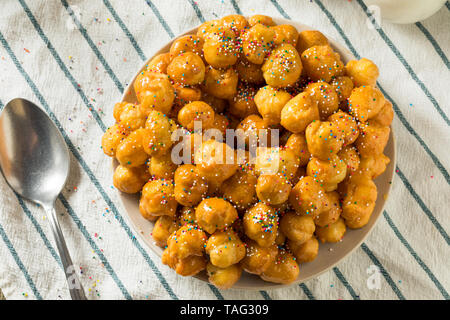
227	218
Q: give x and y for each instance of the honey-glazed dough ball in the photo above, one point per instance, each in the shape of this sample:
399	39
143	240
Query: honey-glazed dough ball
218	105
187	241
163	228
157	137
326	97
251	127
299	112
257	43
130	152
243	103
186	216
308	198
283	67
154	91
359	200
219	48
273	189
240	189
157	199
183	96
131	117
306	251
159	63
225	248
332	211
327	172
187	43
221	83
372	140
343	86
262	19
215	214
162	167
310	38
186	267
346	124
190	186
112	138
297	228
322	63
236	22
261	224
284	269
118	108
258	258
297	144
130	180
374	165
333	232
187	68
276	160
365	102
324	139
362	72
207	27
285	33
221	123
249	72
350	156
196	111
270	101
385	116
223	278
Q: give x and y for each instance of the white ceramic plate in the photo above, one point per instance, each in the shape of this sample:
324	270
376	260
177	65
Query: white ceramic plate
329	253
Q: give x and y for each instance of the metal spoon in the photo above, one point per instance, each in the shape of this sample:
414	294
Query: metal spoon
34	160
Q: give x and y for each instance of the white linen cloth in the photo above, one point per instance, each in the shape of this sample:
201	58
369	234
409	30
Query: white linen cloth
77	70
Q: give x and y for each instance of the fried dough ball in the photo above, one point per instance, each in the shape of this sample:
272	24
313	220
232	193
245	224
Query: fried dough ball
162	167
323	139
332	212
186	216
157	138
347	125
258	258
163	228
306	251
270	101
374	165
236	22
183	96
301	172
112	138
221	83
243	104
187	241
159	63
359	200
285	33
154	91
130	152
281	238
362	72
187	68
310	38
221	123
118	108
225	248
190	186
251	127
257	43
284	269
372	140
218	105
308	198
130	180
365	102
261	224
276	160
283	67
215	214
327	172
273	189
350	156
262	19
249	72
322	63
207	27
385	116
326	97
223	278
219	48
299	112
186	267
240	189
157	199
187	43
131	117
343	86
297	144
196	111
297	228
333	232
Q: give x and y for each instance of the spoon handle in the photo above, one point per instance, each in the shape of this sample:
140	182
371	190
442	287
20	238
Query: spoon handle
75	287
